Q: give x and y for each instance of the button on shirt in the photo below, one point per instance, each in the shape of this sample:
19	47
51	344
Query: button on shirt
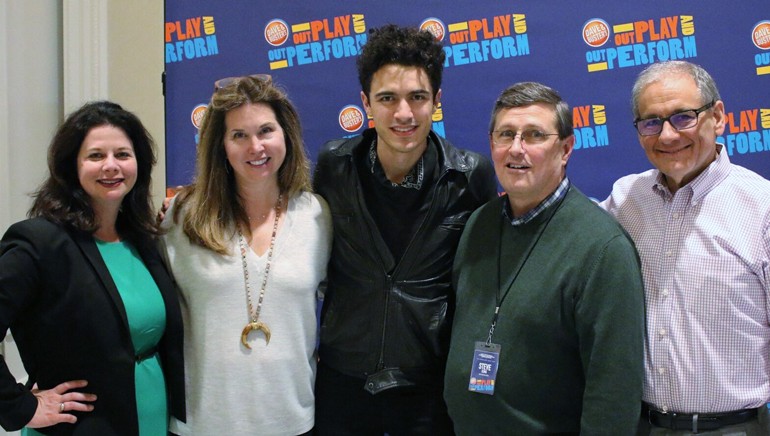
705	254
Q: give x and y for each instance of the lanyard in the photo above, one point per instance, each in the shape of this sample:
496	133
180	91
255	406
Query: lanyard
499	299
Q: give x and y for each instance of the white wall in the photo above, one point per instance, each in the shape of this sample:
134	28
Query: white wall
113	49
30	100
136	63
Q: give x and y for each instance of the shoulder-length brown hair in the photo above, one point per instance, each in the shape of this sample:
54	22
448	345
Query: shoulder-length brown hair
61	198
212	204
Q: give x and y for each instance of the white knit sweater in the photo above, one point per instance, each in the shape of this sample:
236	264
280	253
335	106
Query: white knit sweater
267	390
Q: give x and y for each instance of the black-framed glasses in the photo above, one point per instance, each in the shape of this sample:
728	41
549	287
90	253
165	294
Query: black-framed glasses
504	138
679	121
221	83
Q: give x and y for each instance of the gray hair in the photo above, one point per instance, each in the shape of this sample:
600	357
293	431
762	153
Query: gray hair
658	71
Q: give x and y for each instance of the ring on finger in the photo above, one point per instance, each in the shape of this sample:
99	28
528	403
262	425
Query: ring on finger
61	407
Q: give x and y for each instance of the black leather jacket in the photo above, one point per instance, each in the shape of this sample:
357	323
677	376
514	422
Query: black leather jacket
393	328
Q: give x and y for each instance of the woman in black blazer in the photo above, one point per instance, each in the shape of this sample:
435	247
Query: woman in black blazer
85	293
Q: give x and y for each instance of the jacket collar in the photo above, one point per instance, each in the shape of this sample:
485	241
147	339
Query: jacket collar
448	156
90	251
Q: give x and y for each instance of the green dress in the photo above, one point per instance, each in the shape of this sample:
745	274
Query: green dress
147	321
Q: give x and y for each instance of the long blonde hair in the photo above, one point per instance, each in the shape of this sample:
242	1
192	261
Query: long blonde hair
212	203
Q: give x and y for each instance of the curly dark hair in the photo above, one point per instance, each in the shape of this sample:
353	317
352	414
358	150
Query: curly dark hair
62	200
407	46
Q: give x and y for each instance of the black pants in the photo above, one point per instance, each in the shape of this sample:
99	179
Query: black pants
343	407
759	426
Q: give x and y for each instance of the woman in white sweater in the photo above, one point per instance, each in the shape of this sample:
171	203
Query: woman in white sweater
248	244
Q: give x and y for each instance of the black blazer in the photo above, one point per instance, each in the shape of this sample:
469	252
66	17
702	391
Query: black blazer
69	323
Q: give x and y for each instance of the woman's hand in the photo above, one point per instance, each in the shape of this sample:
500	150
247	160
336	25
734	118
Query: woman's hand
53	404
166	203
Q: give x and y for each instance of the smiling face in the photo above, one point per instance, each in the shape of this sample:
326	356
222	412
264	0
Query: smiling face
254	144
107	167
401	102
680	155
530	172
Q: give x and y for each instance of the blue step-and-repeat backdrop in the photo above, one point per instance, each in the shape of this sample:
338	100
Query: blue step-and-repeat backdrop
589	51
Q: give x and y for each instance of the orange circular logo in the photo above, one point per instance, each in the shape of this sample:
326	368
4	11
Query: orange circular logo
351	118
435	27
276	32
761	35
596	32
197	115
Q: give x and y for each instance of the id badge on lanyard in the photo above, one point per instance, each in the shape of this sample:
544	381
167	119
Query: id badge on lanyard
486	357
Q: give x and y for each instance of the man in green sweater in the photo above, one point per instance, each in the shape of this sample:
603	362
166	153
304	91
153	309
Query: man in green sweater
548	330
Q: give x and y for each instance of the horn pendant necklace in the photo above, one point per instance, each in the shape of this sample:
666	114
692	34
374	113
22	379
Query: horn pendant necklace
254	323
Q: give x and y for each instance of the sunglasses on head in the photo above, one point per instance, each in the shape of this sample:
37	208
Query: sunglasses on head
227	81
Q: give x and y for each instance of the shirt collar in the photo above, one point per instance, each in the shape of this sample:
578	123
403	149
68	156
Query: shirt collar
701	185
414	177
557	195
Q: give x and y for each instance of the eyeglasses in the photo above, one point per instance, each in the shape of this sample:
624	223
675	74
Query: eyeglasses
504	138
227	81
679	121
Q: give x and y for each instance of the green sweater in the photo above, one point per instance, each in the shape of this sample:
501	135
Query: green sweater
571	328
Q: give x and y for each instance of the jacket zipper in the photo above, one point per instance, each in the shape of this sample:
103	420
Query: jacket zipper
389	288
368	222
381	360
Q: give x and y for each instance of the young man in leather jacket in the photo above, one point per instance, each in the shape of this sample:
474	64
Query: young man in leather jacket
400	196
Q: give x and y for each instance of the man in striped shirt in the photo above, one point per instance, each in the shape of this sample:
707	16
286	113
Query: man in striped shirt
702	228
